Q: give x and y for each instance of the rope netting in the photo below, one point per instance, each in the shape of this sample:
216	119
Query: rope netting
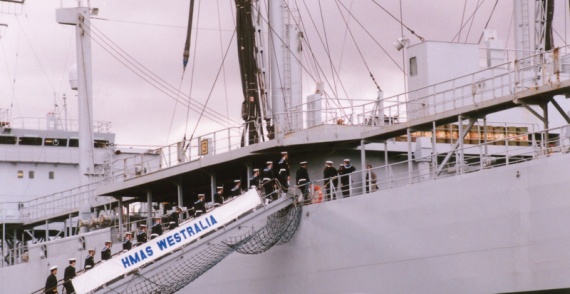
279	229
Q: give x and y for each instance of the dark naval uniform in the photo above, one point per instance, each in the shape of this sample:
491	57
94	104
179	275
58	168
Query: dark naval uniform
89	262
199	207
267	175
106	253
51	284
127	245
142	237
345	171
254	181
283	178
156	229
331	180
67	276
302	178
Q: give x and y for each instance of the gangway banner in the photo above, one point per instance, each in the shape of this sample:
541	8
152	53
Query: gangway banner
154	249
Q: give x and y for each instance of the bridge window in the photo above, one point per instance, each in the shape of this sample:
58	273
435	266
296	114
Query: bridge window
34	141
31	174
51	175
57	142
8	140
20	174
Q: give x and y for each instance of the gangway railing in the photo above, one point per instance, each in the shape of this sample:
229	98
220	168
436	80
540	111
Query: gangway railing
157	253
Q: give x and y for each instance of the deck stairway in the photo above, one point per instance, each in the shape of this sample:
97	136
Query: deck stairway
179	256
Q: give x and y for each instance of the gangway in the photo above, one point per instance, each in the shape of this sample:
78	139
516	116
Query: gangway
176	258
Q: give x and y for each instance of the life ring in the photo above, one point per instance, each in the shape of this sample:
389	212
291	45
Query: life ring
317	194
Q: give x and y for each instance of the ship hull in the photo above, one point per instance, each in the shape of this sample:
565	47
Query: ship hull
499	230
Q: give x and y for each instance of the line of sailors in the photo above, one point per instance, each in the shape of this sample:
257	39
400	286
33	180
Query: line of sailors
51	282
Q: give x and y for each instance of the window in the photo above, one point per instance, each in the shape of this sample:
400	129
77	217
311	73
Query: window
31	174
413	66
8	140
100	143
20	174
57	142
73	142
35	141
51	175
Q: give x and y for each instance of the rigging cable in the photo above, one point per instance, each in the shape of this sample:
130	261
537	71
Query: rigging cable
212	88
468	19
410	30
462	18
154	80
473	19
359	51
327	48
488	20
193	68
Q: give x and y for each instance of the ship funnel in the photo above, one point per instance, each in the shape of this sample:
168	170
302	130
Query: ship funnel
73	77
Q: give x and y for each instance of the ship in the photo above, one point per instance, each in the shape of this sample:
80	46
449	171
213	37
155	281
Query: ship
457	185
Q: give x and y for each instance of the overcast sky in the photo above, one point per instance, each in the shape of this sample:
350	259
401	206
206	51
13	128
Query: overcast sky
36	54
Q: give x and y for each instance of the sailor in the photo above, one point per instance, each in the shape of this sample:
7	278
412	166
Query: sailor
283	178
68	275
219	196
51	282
330	174
268	171
302	178
141	235
236	190
106	251
267	180
344	172
175	216
200	205
157	227
90	260
254	180
127	244
284	164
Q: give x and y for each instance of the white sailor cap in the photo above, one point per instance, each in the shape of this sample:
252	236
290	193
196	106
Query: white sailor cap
72	260
284	152
201	195
177	208
303	162
108	241
346	160
220	187
91	250
329	162
282	170
302	180
270	162
128	233
237	181
255	169
53	268
88	266
266	179
143	226
172	223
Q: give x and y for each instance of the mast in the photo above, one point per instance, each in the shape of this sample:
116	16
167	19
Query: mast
80	18
277	62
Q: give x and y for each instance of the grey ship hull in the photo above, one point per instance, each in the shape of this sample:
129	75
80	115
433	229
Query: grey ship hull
485	232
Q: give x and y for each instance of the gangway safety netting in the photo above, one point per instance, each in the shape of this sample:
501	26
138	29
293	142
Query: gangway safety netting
279	229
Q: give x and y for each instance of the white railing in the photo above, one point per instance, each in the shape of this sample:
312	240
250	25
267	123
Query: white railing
507	151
